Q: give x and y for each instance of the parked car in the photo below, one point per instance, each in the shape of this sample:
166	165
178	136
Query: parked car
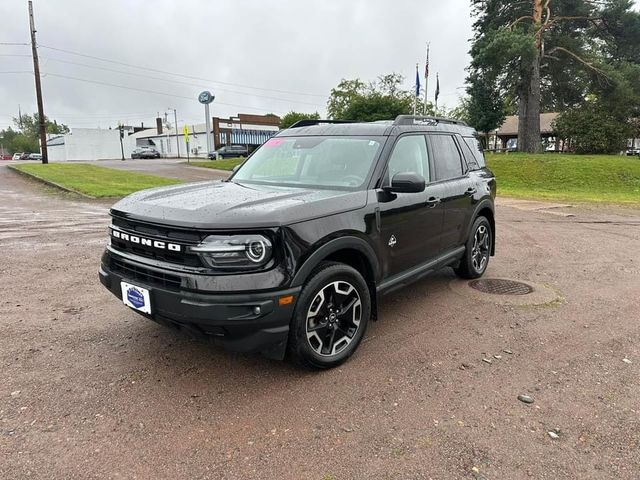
294	252
34	156
145	152
229	151
17	156
632	152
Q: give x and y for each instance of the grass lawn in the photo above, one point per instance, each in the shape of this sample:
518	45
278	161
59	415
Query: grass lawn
563	177
93	180
223	164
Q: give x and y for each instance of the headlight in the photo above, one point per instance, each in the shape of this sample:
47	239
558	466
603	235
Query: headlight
241	252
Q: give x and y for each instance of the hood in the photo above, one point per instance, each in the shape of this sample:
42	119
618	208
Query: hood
220	205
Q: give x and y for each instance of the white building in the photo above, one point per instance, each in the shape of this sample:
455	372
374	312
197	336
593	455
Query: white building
103	144
245	129
89	144
167	144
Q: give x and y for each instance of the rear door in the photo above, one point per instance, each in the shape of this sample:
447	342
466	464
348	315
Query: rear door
451	173
410	223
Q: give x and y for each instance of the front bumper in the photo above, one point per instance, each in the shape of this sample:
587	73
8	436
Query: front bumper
232	320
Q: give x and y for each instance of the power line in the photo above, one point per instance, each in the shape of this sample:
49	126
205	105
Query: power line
179	74
13	43
18	71
148	91
178	81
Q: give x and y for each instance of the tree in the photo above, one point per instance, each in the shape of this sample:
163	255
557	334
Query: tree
544	53
485	107
610	114
460	111
593	128
292	117
29	125
383	99
26	138
343	95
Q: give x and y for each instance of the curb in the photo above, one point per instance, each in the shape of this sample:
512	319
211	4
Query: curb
49	182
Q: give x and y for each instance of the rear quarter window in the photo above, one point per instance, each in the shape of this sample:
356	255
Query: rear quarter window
476	150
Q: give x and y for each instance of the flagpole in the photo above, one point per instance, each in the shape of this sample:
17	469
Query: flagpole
426	81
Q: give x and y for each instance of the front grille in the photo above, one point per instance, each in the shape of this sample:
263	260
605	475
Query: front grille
161	233
131	271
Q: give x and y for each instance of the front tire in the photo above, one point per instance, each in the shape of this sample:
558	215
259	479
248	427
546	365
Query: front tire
478	250
331	317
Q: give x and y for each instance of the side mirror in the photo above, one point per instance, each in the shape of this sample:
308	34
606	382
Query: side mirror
406	182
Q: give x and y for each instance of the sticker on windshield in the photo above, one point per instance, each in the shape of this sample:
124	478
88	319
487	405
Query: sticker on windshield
274	142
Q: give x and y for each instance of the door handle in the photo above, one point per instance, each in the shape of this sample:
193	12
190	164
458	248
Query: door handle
433	201
471	191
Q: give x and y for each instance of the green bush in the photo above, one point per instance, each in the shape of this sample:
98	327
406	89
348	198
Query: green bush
593	129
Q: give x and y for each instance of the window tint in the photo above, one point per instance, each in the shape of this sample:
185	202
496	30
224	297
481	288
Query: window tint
447	157
476	149
409	155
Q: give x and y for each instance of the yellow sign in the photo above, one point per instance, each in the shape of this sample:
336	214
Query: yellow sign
185	131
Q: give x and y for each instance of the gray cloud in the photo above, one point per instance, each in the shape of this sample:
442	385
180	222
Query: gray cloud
287	45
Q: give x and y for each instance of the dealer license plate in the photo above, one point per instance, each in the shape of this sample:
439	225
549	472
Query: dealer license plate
136	297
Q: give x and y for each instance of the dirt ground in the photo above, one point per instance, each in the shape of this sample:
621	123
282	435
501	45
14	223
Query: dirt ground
88	389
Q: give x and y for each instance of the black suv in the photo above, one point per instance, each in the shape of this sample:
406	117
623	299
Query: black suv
293	252
229	151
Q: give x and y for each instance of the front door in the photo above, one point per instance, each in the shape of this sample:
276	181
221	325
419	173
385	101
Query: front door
410	223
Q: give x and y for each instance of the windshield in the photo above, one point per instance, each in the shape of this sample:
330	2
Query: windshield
318	162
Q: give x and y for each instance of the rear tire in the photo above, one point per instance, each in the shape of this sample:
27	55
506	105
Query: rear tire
330	318
478	250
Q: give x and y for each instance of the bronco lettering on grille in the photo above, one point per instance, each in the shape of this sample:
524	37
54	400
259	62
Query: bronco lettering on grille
127	237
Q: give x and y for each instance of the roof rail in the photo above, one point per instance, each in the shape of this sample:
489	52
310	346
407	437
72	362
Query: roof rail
309	122
415	119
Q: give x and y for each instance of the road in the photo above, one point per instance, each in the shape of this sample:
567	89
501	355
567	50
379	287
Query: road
166	167
91	390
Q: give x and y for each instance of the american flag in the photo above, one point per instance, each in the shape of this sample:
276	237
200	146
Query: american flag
426	65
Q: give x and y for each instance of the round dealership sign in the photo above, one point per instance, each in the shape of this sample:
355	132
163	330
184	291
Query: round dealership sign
206	97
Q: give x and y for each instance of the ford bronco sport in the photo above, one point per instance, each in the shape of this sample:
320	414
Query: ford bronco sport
293	252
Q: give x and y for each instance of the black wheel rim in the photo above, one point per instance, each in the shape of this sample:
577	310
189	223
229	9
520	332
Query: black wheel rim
333	318
480	248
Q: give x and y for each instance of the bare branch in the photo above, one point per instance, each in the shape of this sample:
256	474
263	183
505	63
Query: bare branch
517	21
577	57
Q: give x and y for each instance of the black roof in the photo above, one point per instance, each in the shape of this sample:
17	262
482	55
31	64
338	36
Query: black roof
404	123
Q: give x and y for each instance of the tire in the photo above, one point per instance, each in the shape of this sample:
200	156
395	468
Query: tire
478	250
334	296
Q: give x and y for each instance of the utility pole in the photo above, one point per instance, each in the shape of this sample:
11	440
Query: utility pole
121	135
36	73
175	127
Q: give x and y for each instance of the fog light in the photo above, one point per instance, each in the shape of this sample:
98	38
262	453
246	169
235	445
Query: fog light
256	310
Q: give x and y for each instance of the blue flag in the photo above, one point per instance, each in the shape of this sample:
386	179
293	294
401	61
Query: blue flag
417	82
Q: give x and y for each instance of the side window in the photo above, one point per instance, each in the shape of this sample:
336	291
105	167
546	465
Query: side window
447	157
409	155
476	149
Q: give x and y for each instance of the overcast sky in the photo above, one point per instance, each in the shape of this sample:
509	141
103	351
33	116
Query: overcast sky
290	52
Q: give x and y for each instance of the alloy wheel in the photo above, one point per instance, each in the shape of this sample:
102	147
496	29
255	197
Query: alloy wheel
333	319
481	246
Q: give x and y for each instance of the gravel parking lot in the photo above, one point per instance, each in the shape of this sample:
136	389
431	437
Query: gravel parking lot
91	390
